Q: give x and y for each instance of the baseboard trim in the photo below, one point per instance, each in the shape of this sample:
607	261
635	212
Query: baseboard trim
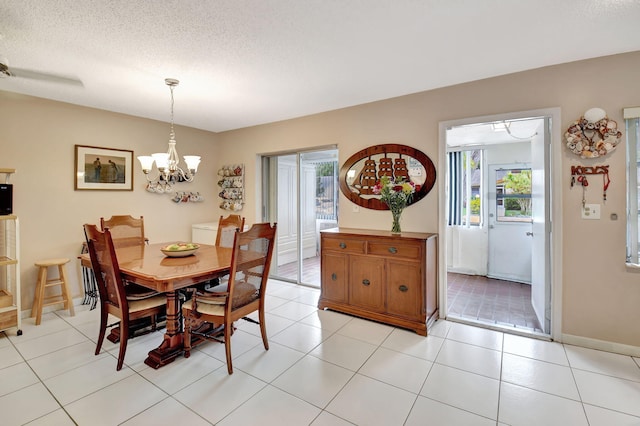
601	345
52	308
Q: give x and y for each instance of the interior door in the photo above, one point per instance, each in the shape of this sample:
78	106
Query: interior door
541	229
510	248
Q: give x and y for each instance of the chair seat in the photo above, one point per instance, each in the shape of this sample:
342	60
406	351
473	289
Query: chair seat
148	303
205	308
138	292
243	293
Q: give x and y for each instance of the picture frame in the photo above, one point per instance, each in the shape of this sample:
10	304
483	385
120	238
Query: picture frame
98	168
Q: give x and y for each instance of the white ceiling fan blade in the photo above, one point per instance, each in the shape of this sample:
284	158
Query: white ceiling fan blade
47	77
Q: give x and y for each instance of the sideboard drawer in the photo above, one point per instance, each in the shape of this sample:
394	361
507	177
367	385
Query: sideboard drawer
407	251
343	245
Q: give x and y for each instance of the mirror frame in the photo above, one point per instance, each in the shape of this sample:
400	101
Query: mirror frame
375	203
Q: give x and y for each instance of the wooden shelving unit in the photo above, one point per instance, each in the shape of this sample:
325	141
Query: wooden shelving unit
9	269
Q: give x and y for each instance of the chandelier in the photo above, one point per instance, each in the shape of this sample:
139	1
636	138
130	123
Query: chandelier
169	171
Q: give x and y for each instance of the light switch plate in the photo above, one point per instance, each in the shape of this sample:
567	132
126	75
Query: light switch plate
591	211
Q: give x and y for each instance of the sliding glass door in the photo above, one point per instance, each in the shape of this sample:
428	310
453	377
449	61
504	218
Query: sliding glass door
302	197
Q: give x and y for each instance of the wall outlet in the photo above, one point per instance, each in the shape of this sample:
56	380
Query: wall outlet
591	211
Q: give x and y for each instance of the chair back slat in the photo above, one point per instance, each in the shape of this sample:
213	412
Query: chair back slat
250	264
226	229
125	230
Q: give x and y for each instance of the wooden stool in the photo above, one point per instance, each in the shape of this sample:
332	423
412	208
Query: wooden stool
40	300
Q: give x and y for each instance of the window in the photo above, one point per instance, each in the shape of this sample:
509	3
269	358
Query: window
465	187
632	122
513	195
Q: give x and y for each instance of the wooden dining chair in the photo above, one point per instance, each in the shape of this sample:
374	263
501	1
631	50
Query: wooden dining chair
224	238
114	298
125	230
226	229
243	294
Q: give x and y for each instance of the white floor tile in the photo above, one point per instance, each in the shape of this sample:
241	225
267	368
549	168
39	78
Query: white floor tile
602	417
536	349
241	342
602	362
474	359
272	407
57	418
427	411
301	337
267	365
476	336
9	356
328	419
216	395
272	302
26	404
309	297
50	324
293	310
539	375
609	392
274	323
182	372
138	349
358	371
365	401
413	344
440	328
365	330
48	343
167	412
461	389
523	406
344	351
290	292
131	396
86	379
313	380
16	377
327	320
397	369
65	359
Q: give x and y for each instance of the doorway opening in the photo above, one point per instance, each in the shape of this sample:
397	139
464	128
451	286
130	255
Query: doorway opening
497	224
302	197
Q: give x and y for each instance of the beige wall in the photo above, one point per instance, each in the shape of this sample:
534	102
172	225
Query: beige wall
38	138
600	298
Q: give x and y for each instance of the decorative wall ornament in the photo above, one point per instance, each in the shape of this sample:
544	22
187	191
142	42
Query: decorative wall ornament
364	169
593	135
231	184
582	171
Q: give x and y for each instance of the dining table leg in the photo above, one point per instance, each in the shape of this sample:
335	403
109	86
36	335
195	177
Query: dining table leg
173	344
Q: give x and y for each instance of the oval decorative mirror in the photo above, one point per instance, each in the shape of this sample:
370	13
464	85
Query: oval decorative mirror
363	170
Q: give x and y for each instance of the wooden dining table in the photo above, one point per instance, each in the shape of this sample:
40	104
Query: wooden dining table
147	266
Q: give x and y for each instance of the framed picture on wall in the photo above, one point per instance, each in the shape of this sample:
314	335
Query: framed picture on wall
103	168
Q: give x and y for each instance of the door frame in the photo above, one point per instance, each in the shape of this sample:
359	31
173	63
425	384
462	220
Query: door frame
556	190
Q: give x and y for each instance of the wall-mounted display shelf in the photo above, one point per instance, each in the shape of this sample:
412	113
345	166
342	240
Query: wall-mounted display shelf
231	185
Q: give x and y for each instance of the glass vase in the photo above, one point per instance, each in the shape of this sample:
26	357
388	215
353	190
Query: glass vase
395	227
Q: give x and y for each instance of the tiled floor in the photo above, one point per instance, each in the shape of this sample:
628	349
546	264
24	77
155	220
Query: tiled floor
497	302
323	368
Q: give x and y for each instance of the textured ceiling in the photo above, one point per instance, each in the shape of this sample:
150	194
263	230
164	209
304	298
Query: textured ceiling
247	62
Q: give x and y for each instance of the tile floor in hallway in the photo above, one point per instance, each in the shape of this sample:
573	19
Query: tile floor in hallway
323	368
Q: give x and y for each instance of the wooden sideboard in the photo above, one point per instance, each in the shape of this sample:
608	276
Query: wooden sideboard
380	276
